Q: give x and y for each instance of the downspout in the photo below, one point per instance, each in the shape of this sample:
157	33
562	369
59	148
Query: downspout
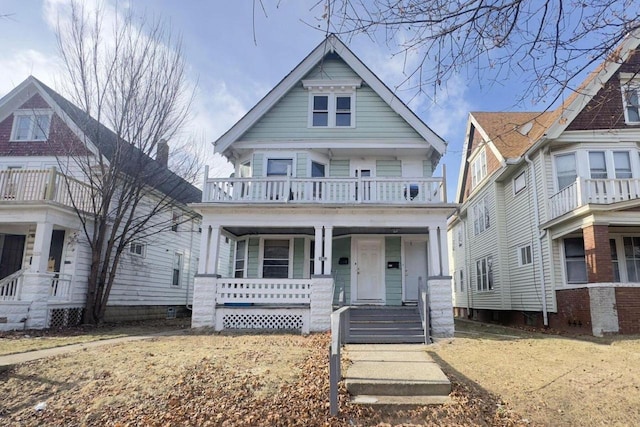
186	303
536	218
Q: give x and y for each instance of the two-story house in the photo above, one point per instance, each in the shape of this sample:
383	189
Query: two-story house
333	200
548	230
44	255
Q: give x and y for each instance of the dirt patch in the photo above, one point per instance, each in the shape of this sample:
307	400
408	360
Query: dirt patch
499	376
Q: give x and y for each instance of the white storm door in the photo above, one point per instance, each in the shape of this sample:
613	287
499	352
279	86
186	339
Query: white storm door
369	271
415	268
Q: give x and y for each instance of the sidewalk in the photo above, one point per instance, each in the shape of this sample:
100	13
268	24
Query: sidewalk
17	358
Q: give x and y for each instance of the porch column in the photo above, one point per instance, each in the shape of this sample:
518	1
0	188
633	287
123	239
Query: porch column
204	248
317	263
435	265
598	254
328	252
41	247
444	257
36	283
214	249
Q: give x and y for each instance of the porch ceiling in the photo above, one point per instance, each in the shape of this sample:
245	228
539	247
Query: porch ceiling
337	231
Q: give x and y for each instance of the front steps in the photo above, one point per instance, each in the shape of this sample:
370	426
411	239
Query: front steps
384	325
394	374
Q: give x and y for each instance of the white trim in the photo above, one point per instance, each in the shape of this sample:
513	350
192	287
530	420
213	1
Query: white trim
359	164
143	246
629	82
354	270
521	262
289	238
32	114
335	85
403	258
275	155
181	270
332	111
516	191
235	256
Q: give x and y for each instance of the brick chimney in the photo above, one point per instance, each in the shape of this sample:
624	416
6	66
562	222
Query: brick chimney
162	154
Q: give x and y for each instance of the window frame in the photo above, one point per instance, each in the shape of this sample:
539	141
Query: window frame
143	249
261	257
178	259
556	182
481	216
524	258
484	278
575	259
245	255
516	189
32	114
630	82
478	165
332	89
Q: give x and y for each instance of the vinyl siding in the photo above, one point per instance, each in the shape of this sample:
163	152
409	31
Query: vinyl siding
301	165
288	119
388	168
257	165
252	257
342	249
501	271
393	276
298	258
339	168
427	170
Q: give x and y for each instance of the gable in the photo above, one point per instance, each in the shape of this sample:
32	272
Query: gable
605	110
288	119
493	163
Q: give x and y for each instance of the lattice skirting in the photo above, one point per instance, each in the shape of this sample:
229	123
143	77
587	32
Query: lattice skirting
260	318
64	317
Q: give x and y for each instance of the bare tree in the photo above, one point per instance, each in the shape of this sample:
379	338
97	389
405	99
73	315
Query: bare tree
127	81
548	44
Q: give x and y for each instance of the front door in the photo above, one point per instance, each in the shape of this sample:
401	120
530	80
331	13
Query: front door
12	254
368	271
415	268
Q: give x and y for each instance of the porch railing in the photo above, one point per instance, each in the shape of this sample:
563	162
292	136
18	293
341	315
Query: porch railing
423	308
263	291
325	190
10	286
593	191
60	287
339	335
21	185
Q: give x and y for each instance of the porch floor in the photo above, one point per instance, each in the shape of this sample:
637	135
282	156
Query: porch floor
394	374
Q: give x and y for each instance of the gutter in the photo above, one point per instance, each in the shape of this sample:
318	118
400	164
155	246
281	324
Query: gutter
536	217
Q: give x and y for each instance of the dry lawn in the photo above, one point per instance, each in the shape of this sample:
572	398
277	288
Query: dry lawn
280	379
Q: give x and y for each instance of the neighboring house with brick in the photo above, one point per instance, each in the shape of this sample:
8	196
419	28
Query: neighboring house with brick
44	254
548	230
333	201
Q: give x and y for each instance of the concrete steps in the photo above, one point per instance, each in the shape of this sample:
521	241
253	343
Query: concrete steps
379	325
394	374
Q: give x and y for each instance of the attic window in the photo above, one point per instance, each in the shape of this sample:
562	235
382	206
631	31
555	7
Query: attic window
31	125
331	103
631	97
478	168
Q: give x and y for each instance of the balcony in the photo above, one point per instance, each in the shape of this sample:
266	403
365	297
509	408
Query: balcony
365	190
29	185
585	191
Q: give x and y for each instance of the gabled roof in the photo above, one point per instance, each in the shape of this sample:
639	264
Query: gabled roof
330	45
156	175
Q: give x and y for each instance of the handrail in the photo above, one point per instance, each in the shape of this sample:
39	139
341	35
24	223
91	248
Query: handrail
9	286
423	308
339	335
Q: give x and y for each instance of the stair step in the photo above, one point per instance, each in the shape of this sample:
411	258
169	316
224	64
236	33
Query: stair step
386	339
400	400
357	387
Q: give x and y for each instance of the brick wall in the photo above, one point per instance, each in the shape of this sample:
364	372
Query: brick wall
124	313
628	304
574	311
598	254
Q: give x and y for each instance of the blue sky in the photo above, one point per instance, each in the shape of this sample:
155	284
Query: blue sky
233	72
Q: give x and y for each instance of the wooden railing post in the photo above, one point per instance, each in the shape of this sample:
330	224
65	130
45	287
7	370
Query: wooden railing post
51	184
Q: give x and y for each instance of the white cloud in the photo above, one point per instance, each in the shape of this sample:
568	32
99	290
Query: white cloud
18	65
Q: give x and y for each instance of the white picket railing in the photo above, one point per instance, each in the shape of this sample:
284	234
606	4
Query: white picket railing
263	291
60	287
20	185
325	190
593	191
10	286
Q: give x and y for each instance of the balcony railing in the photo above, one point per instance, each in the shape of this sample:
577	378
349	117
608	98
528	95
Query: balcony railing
22	185
593	191
325	190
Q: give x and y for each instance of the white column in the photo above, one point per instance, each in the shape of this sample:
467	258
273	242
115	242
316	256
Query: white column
434	252
41	247
317	264
204	248
444	258
214	249
328	253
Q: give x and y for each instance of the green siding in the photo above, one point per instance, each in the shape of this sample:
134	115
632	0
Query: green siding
232	258
427	170
288	119
298	258
389	168
342	249
339	168
301	165
258	161
393	276
252	261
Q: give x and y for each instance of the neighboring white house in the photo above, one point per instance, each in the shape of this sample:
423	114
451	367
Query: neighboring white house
333	194
44	255
548	231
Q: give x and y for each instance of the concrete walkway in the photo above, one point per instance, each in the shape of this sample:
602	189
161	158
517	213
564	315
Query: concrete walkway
401	374
28	356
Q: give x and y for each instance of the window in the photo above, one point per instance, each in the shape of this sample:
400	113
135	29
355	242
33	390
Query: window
31	126
279	167
524	255
631	101
481	218
332	102
575	260
245	170
622	164
519	183
484	274
632	258
597	165
275	262
462	281
343	111
241	249
614	260
137	248
177	269
320	110
176	217
460	236
565	170
312	256
478	168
